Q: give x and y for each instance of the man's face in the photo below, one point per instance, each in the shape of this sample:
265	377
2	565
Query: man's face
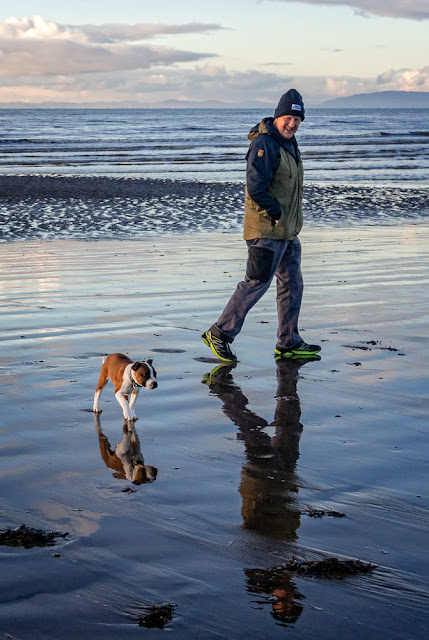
287	126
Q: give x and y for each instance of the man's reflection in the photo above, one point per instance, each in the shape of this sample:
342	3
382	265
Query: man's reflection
268	485
278	584
126	459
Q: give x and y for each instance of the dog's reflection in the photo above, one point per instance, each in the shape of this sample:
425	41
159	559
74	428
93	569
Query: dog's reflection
126	459
269	485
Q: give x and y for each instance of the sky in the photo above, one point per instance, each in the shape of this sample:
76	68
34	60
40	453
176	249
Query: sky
235	51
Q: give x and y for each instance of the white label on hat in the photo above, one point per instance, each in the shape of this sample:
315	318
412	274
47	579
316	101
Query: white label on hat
296	107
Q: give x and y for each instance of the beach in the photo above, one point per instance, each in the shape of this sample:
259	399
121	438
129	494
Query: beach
42	207
249	466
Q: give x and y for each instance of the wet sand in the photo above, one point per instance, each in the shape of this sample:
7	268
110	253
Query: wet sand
43	207
248	467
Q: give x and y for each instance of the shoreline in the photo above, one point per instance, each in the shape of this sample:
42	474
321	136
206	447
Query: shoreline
97	208
109	186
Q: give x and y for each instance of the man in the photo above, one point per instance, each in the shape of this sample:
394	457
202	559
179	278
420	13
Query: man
272	222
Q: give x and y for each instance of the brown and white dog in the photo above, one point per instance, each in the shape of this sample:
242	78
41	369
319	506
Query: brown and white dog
128	377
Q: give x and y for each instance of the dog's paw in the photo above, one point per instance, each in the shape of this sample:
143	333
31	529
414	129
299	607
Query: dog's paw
97	410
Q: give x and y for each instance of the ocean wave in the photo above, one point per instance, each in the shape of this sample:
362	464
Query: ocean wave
406	134
364	146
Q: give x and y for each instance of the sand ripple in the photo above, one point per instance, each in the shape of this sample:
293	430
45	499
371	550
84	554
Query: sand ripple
54	207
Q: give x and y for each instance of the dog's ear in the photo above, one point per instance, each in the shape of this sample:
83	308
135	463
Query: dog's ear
149	361
136	366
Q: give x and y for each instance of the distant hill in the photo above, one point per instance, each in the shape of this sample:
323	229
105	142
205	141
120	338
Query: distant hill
165	104
376	100
381	100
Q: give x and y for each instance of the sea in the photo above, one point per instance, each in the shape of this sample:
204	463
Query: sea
367	166
350	145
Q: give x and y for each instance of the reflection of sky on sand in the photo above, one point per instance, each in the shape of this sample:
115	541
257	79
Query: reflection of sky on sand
82	521
370	283
242	460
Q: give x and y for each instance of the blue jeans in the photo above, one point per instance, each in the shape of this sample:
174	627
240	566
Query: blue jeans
267	258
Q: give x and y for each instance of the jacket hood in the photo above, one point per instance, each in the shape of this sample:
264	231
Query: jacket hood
265	126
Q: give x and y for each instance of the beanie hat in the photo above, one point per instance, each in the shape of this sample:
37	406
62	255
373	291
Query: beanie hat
290	104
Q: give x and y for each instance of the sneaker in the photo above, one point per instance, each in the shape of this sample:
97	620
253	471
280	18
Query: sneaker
302	350
220	347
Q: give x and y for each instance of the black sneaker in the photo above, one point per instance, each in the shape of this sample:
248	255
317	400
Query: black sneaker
220	347
302	350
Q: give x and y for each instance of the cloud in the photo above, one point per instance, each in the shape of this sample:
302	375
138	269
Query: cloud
137	32
29	27
36	26
411	9
33	46
275	64
404	80
203	82
111	62
42	60
319	89
56	57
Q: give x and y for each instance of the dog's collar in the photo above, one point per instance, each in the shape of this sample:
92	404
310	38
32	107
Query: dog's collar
136	385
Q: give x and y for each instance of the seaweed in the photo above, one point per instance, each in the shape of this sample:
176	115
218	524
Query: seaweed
329	568
157	615
27	537
320	513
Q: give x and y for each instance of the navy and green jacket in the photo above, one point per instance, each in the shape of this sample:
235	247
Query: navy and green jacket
274	180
